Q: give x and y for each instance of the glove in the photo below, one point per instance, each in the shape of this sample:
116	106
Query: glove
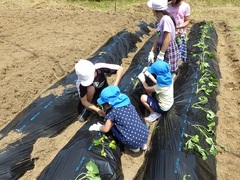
151	57
160	56
95	127
145	71
141	77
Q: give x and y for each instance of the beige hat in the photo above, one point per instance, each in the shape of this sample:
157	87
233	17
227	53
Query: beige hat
85	71
158	5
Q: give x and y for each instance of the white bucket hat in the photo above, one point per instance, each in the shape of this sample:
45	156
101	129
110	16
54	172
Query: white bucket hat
158	5
85	71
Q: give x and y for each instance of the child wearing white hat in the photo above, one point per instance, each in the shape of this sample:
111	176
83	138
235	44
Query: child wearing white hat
91	81
164	46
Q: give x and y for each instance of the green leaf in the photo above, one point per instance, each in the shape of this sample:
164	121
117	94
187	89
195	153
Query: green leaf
195	138
189	145
210	115
200	150
91	167
103	153
205	64
211	125
207	91
185	176
213	150
211	55
96	142
112	144
209	141
203	99
224	148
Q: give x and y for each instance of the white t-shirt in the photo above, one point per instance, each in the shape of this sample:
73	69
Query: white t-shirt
164	96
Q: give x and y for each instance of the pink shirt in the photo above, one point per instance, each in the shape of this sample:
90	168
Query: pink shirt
179	13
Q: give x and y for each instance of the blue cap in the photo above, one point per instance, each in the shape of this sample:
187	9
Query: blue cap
162	70
113	96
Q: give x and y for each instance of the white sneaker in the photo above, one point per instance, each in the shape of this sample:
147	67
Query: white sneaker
152	117
135	150
144	147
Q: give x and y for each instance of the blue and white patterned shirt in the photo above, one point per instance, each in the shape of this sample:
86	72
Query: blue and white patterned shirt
128	126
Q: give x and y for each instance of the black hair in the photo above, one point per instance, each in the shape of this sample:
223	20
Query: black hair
107	107
165	12
177	1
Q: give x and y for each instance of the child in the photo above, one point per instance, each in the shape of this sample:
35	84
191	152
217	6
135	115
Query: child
180	10
91	81
163	99
164	45
122	119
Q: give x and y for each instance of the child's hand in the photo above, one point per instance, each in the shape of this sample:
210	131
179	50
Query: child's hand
101	113
151	57
95	127
141	77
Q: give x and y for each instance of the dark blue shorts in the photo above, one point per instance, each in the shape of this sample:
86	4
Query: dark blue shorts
153	103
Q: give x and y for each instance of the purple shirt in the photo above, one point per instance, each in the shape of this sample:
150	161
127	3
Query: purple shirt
165	25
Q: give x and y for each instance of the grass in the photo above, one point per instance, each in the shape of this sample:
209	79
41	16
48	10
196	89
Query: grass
217	2
106	4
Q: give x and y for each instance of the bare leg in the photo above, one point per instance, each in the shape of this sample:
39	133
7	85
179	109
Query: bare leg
144	101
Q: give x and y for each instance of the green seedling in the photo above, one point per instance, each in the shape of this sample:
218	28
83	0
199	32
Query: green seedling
203	100
135	82
208	131
192	144
185	176
207	83
92	171
101	142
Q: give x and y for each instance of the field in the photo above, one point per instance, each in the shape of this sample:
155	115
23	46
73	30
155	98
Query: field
42	40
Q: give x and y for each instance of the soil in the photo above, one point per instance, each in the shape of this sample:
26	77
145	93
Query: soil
42	40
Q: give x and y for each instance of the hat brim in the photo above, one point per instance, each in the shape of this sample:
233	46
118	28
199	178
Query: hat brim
100	101
150	69
121	101
89	81
164	80
149	3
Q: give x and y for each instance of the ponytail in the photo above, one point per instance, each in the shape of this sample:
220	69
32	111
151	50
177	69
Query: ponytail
165	12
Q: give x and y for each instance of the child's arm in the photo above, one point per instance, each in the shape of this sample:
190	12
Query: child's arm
107	126
149	89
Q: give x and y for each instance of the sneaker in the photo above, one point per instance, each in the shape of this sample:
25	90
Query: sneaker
84	115
152	117
135	150
144	147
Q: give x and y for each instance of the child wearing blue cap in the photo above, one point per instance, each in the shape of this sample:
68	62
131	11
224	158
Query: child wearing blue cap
159	98
122	119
